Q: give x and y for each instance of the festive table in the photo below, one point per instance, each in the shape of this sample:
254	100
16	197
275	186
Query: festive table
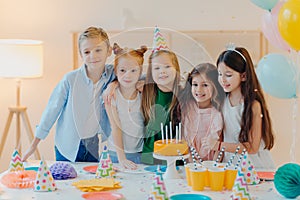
136	185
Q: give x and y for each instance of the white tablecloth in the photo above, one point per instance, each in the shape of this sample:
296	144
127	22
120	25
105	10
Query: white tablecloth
135	186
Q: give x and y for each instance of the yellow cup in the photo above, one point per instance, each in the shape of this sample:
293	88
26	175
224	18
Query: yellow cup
216	178
187	168
230	176
208	163
198	177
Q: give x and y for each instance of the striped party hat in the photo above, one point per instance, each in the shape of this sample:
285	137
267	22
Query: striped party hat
240	189
105	166
15	163
158	188
159	42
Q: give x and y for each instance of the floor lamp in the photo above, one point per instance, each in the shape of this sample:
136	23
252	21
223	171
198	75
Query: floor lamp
20	59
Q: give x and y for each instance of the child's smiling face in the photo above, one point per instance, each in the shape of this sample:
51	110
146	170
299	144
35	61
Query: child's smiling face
94	52
128	71
163	72
202	90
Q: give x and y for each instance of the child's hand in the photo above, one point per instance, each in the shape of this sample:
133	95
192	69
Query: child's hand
109	93
140	85
127	164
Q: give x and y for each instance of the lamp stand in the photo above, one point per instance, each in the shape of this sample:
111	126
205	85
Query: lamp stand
20	111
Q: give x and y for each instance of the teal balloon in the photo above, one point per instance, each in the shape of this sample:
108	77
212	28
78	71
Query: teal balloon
277	75
265	4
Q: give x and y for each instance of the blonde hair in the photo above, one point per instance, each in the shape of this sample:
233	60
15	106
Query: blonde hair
138	54
150	87
93	32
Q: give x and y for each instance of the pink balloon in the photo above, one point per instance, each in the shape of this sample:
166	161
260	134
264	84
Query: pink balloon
270	28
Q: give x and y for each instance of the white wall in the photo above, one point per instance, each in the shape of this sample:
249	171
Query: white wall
53	21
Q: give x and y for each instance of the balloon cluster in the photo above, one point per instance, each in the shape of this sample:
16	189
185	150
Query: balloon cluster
278	74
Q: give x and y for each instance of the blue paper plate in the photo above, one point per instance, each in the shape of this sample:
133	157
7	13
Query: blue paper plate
189	197
32	168
153	168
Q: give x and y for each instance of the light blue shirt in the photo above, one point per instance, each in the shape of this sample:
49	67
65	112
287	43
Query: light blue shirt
75	104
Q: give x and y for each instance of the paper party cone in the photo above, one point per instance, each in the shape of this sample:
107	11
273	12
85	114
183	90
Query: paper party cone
44	181
15	163
105	166
249	171
158	188
159	42
240	188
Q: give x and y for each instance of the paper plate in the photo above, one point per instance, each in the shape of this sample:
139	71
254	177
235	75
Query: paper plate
90	168
268	176
102	196
32	168
93	168
189	197
153	168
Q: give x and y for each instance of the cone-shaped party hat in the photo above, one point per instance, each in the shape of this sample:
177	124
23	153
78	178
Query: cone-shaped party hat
240	188
15	163
159	42
158	188
249	171
105	166
44	181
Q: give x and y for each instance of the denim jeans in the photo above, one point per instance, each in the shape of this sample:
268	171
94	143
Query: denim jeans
88	151
134	157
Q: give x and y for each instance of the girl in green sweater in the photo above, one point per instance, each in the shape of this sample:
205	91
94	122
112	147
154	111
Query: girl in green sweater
159	97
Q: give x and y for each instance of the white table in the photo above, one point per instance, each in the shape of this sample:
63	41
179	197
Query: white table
135	186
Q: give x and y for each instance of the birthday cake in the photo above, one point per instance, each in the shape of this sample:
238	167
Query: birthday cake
171	148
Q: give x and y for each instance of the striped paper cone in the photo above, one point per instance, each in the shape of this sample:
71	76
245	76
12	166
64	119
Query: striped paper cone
15	163
158	188
240	188
159	42
105	166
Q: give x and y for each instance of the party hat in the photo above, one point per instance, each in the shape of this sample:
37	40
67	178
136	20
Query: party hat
15	163
105	166
44	181
159	42
158	188
249	171
240	188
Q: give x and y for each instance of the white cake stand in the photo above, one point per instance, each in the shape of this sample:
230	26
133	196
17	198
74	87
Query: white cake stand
171	172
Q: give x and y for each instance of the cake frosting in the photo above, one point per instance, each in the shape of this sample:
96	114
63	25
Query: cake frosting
170	148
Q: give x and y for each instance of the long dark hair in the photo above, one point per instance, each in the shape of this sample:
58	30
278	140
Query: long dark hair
251	91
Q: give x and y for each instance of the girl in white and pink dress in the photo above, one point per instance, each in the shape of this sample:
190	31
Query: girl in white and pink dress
247	121
200	104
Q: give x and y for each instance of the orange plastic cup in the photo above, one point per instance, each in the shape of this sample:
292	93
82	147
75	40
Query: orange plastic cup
187	168
198	177
230	176
216	178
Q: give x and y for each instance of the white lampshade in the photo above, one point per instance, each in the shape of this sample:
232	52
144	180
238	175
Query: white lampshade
21	58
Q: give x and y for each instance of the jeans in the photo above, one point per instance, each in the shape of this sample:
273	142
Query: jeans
134	157
88	151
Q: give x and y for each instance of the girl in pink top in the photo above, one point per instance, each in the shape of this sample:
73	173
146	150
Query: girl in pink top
200	104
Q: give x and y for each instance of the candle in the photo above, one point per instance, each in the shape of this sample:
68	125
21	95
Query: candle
166	134
171	133
162	132
179	131
176	136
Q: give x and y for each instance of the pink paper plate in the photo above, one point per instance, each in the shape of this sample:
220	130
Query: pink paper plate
268	176
90	168
102	196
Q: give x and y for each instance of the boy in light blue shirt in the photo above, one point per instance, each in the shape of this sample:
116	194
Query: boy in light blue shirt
76	101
